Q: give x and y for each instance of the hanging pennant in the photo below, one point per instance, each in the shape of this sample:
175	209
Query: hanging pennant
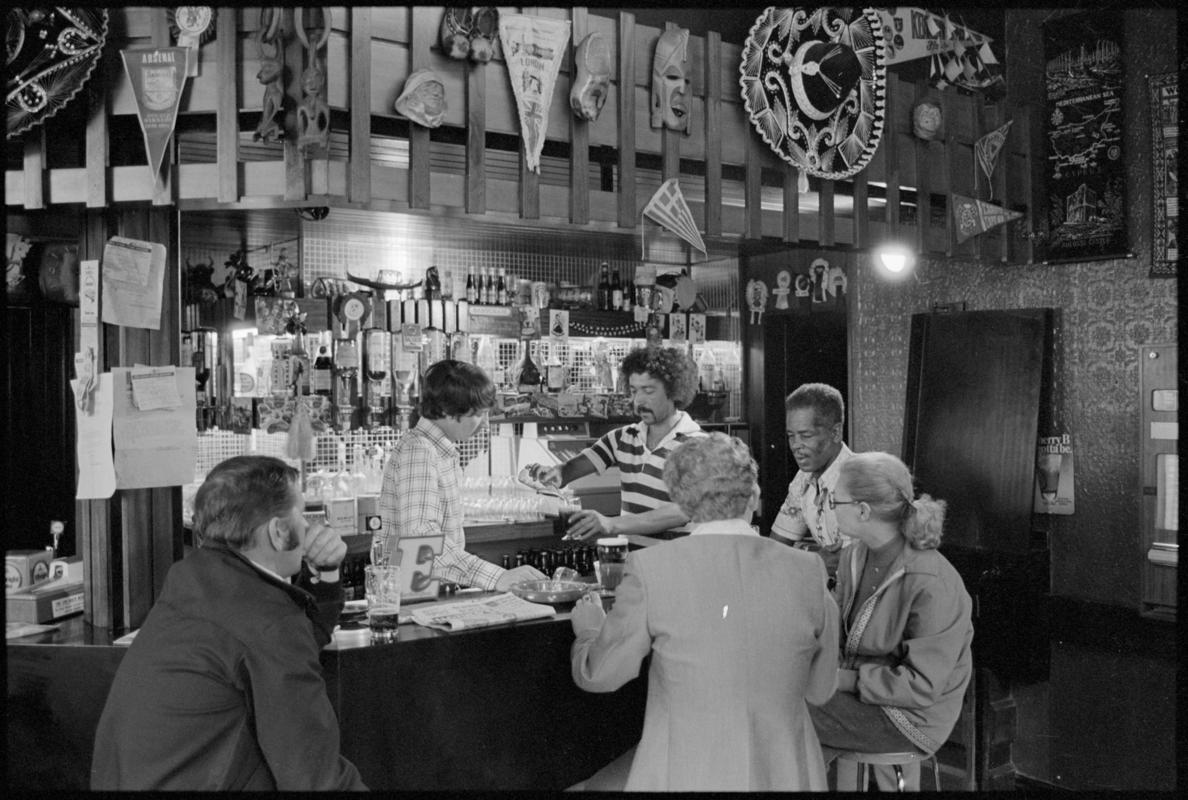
533	48
986	150
973	217
958	55
158	77
668	207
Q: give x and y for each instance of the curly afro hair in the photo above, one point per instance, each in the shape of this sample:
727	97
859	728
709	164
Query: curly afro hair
669	365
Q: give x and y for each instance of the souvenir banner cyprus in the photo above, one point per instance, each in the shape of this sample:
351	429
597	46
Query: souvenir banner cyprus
533	48
158	77
977	216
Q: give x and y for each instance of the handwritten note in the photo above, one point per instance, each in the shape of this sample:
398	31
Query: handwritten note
96	470
133	275
155	387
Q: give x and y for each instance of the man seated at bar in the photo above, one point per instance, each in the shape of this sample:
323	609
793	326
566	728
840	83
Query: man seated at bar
662	381
906	629
221	689
421	494
741	631
815	416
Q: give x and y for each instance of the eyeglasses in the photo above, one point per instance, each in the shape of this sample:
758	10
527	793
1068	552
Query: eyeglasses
834	502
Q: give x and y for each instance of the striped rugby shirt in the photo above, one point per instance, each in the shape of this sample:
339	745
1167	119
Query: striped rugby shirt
642	470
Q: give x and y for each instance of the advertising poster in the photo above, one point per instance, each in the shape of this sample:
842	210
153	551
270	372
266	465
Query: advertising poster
1054	475
1085	177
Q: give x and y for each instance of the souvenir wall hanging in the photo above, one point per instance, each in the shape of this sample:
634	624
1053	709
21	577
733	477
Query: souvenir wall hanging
269	41
986	151
958	56
469	33
592	60
533	48
669	209
313	115
814	83
50	53
670	84
192	27
158	77
926	121
972	217
423	99
1165	152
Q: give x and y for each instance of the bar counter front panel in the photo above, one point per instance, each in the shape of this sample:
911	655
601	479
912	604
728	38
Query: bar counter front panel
489	709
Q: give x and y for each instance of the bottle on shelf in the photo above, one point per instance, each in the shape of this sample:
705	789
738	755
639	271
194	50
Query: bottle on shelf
602	298
555	377
616	289
471	288
501	288
527	373
489	288
707	369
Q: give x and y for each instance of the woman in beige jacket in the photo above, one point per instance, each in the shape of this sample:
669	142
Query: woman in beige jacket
741	630
906	629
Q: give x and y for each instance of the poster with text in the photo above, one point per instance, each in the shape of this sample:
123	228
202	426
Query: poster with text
1086	180
1054	475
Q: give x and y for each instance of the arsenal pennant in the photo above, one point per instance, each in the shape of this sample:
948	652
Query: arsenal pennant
977	216
158	77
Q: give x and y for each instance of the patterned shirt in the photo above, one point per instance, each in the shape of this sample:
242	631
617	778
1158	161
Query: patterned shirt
422	496
805	513
641	470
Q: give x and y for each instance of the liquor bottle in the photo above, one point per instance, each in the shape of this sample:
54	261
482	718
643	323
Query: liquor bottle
616	287
527	373
501	289
603	299
489	288
471	289
323	370
555	372
479	293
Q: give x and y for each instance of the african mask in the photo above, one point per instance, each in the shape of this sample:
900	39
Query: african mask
423	99
590	87
670	86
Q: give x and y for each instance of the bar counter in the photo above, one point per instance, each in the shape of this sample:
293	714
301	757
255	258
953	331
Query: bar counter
490	709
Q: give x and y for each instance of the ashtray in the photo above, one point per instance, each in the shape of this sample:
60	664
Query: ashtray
550	591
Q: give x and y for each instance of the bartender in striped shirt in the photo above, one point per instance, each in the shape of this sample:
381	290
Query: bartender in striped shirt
661	381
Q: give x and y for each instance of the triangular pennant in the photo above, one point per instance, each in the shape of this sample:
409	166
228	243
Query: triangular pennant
913	34
972	217
533	48
668	207
986	149
158	77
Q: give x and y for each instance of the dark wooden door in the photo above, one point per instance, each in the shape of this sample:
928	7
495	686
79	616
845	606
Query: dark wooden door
972	415
793	349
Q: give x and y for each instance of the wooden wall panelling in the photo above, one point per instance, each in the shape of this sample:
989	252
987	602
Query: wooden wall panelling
825	214
953	114
227	122
670	141
579	131
713	134
791	212
424	24
1025	134
35	168
626	84
1002	191
97	134
923	160
163	183
890	148
753	190
359	190
529	179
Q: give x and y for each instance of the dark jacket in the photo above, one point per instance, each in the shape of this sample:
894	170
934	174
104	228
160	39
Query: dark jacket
222	688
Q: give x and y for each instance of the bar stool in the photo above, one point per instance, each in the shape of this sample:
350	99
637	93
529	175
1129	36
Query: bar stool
862	761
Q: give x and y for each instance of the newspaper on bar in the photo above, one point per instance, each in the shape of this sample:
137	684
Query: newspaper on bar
481	613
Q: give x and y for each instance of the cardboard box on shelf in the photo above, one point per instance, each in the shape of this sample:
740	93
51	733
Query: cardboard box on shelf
23	568
42	604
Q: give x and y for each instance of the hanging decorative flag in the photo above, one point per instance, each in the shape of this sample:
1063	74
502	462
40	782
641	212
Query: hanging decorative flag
814	85
158	77
668	207
986	150
533	48
977	216
959	56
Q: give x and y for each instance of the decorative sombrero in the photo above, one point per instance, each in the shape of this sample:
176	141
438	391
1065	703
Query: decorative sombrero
814	85
50	54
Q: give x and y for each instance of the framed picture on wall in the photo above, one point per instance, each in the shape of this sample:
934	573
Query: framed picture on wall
1086	180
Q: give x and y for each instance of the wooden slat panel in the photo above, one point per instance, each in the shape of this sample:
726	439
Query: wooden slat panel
228	107
861	211
476	139
626	84
825	212
951	112
753	191
1005	191
579	135
791	212
923	177
97	137
713	134
34	167
424	23
360	170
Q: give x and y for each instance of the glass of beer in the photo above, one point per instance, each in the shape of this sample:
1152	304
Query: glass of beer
383	601
612	554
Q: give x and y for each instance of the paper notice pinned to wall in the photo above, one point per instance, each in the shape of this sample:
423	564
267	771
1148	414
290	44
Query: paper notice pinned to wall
155	387
153	447
96	469
533	48
1054	475
133	277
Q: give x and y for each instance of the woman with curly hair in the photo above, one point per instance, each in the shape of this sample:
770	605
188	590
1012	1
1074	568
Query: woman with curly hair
741	631
905	617
661	382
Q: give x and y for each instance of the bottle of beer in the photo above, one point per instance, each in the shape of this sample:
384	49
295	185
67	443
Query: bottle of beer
489	288
616	288
321	382
603	300
471	288
501	288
